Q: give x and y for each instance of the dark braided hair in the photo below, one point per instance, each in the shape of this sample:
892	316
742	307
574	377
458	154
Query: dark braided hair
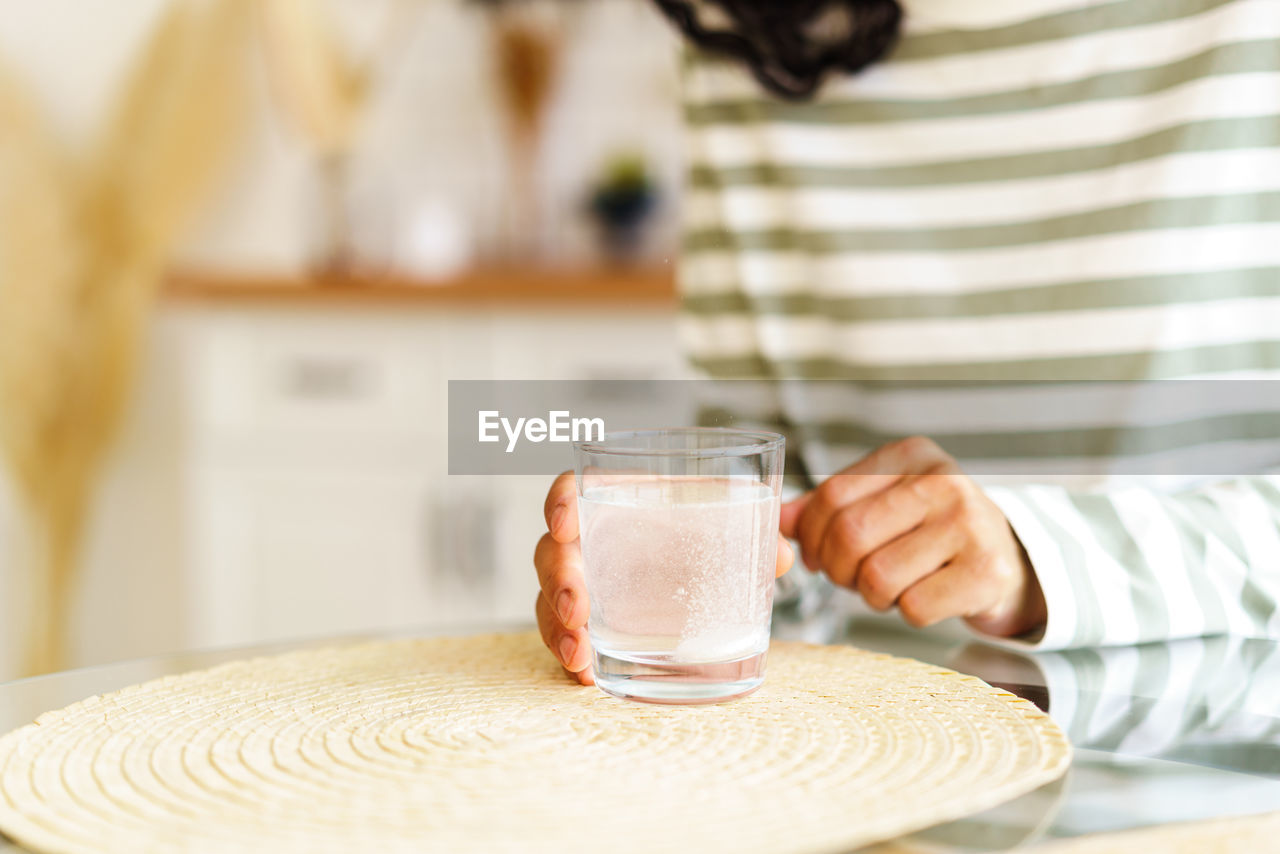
791	45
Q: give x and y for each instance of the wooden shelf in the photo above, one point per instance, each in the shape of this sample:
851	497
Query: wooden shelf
522	286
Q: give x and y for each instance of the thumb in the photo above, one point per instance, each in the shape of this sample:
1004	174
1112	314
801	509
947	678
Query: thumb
786	557
791	513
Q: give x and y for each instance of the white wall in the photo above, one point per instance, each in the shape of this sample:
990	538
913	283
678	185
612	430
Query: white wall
432	135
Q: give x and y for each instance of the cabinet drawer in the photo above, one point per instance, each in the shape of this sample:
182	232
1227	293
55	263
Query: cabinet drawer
308	374
291	555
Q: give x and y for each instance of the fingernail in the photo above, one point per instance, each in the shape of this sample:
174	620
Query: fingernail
568	646
564	606
557	518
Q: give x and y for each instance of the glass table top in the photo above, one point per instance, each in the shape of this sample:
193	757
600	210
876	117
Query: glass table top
1168	732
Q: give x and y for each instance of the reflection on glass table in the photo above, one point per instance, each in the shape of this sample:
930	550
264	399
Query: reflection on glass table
1164	732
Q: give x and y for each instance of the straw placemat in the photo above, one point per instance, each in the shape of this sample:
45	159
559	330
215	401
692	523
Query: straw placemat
481	744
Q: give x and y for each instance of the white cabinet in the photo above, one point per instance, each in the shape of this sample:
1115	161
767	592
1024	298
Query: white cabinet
283	473
318	499
281	554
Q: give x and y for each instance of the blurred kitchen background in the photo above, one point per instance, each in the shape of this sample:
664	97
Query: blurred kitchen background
233	431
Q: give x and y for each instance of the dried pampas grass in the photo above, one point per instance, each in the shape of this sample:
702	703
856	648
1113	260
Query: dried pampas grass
319	86
82	248
325	92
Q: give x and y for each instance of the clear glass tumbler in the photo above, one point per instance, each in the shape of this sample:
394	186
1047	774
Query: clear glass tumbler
679	534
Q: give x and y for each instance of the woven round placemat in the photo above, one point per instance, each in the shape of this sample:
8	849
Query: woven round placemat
480	744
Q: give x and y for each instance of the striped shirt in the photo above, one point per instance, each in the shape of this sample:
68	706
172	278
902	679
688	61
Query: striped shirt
1032	192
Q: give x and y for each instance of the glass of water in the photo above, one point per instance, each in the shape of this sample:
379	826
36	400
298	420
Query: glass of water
679	535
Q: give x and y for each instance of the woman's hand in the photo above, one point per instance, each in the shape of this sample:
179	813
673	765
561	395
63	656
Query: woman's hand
904	526
562	607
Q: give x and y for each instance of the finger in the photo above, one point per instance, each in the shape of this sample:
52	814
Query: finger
823	503
871	523
786	557
572	648
888	572
561	508
559	567
874	473
912	455
791	512
958	589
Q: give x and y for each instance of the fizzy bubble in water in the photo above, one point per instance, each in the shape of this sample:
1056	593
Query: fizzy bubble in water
680	570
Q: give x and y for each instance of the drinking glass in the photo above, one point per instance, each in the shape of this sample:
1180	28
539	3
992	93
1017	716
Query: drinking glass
679	536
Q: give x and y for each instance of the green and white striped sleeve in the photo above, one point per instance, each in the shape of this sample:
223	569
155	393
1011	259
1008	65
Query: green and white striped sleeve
1135	564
